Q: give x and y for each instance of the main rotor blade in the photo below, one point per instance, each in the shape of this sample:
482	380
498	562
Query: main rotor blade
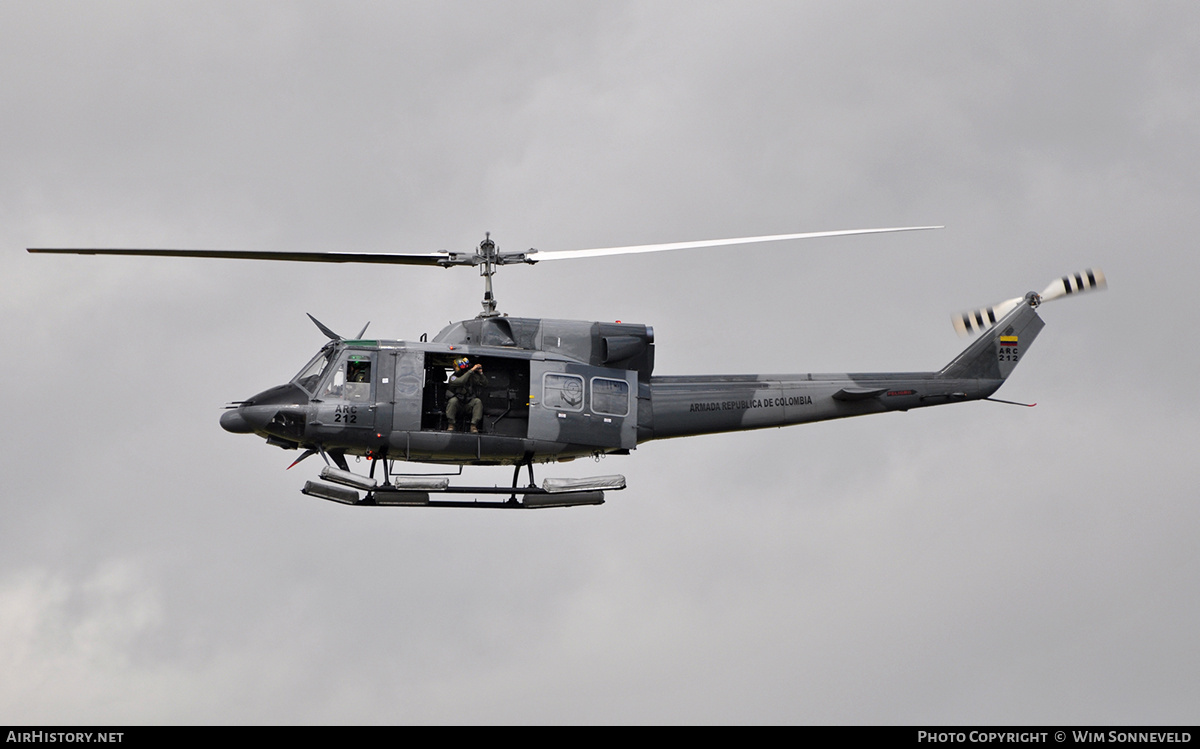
538	256
432	258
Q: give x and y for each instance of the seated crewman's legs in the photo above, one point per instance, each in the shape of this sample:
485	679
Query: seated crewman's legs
451	412
476	414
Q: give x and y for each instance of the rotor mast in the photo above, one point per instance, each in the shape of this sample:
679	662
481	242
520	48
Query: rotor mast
487	268
487	257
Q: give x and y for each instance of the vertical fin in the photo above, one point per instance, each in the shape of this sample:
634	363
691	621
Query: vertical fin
995	354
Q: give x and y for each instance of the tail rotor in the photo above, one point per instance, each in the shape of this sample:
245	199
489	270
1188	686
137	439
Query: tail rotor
978	320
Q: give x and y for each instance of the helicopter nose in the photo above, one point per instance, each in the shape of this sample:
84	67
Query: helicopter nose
233	421
279	412
256	417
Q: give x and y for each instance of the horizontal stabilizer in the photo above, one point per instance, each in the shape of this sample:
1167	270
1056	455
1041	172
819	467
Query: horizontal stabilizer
858	394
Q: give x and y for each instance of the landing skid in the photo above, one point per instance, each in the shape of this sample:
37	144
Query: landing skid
415	491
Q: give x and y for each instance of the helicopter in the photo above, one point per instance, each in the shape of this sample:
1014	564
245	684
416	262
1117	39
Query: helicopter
545	390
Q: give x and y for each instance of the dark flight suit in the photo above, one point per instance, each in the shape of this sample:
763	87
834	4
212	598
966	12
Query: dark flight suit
464	389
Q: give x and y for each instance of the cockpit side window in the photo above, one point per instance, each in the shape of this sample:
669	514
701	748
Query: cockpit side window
358	370
352	379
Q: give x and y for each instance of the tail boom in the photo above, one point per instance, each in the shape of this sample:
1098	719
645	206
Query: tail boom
707	404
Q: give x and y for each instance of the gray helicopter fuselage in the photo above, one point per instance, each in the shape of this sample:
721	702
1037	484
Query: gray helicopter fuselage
561	389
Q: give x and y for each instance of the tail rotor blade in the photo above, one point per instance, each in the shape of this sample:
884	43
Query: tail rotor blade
979	320
1091	279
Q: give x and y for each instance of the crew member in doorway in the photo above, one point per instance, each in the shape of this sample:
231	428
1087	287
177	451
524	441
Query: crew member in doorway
464	388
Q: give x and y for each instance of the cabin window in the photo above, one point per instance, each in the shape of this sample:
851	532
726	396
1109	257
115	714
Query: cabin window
610	397
563	392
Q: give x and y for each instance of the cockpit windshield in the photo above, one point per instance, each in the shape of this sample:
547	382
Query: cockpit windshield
311	374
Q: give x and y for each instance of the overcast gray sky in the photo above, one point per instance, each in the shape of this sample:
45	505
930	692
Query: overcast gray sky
978	563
